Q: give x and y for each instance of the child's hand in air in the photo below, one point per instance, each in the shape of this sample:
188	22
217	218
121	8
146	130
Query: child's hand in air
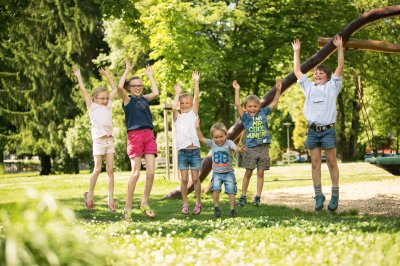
178	89
76	73
296	45
103	72
236	85
337	41
128	64
149	70
196	75
278	84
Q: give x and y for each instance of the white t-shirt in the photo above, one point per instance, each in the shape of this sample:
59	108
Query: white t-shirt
101	120
186	131
320	102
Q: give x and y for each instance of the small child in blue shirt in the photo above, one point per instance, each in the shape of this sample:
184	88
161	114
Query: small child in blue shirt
255	123
223	172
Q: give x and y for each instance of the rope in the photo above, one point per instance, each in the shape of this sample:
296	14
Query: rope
358	86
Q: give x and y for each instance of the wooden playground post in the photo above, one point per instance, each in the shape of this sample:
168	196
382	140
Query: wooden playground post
167	107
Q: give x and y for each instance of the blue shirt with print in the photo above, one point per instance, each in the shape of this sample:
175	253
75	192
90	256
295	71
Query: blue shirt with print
257	127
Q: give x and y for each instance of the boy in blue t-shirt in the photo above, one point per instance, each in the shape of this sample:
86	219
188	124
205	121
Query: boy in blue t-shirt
255	123
221	164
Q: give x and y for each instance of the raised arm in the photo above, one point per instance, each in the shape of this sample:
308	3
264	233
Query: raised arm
85	94
110	81
175	103
275	101
239	108
296	58
121	83
196	98
198	131
337	41
154	89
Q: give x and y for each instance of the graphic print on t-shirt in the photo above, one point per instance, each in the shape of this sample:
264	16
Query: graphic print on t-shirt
257	130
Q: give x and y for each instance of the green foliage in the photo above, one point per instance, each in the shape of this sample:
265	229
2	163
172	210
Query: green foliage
36	60
280	235
40	232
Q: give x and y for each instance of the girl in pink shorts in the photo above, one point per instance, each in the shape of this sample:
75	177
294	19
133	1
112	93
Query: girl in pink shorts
141	140
100	114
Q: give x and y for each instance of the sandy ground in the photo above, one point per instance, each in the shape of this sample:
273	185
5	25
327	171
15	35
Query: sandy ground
380	198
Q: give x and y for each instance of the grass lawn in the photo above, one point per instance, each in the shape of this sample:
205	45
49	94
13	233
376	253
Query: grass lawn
265	235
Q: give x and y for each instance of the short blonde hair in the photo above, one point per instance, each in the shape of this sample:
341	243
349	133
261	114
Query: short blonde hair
218	126
251	98
97	91
186	95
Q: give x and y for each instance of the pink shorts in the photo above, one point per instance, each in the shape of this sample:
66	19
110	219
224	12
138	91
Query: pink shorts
103	145
140	142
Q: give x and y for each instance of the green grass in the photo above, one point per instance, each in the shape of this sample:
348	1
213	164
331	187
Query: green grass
259	236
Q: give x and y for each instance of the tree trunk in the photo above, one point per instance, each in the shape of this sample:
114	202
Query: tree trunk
45	163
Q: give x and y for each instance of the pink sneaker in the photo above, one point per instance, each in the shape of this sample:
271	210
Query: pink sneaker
196	209
185	209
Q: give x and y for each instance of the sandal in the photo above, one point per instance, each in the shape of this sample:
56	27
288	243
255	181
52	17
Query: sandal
197	209
111	206
147	211
185	209
89	203
126	215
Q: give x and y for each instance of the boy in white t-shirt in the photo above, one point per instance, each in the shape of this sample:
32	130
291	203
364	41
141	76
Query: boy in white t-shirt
187	142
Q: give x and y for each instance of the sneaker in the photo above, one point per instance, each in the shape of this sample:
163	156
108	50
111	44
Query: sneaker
333	203
233	213
256	201
242	201
185	209
319	202
217	212
196	209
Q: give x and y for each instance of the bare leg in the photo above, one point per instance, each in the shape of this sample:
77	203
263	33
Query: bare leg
260	181
197	185
150	166
184	186
216	197
95	174
135	174
232	201
332	166
316	165
110	173
246	181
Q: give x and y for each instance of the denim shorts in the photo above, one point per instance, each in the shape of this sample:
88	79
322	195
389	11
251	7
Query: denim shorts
322	139
189	158
228	179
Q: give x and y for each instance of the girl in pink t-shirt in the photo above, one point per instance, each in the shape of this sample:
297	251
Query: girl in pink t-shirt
99	106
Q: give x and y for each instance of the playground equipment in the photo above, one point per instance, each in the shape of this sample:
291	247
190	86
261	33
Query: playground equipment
357	24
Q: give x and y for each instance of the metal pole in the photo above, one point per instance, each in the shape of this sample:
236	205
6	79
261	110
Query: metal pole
287	124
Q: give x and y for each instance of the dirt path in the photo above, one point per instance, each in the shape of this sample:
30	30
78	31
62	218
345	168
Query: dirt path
375	198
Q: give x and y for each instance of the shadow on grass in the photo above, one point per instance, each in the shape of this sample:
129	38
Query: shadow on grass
170	221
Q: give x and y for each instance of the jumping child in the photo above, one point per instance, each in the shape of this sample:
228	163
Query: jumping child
223	172
187	142
258	138
141	140
320	112
99	106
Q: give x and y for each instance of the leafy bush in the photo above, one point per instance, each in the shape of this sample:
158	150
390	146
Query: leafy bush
42	233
